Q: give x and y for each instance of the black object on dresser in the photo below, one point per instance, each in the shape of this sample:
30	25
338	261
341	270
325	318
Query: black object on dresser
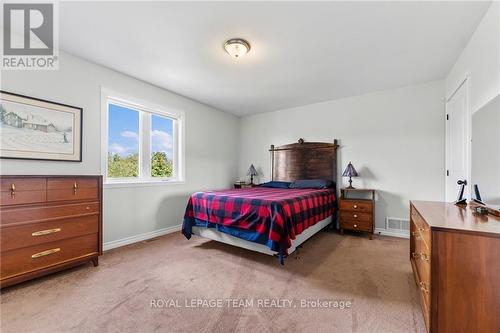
357	210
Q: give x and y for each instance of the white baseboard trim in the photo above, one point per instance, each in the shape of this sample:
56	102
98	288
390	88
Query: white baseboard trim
385	232
139	238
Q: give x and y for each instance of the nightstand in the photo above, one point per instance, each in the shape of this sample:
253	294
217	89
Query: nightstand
357	210
236	185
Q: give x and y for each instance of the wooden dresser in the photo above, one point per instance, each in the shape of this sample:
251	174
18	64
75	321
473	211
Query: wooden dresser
48	223
455	256
357	210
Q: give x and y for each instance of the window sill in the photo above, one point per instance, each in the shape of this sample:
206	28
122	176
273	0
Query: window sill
141	183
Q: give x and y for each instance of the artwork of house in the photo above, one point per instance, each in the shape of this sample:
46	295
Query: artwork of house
32	128
39	124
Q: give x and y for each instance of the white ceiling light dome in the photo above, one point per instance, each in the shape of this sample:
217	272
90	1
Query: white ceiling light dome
237	47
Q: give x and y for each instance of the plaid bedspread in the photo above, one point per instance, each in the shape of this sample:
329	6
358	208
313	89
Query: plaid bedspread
277	214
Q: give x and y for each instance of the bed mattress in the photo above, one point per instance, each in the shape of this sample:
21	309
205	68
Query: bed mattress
268	216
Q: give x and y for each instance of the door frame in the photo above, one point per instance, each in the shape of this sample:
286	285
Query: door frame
463	82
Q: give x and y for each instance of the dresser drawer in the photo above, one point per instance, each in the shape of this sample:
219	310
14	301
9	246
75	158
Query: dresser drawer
353	224
425	296
421	227
423	261
355	216
417	219
39	233
18	215
356	205
60	189
17	262
16	191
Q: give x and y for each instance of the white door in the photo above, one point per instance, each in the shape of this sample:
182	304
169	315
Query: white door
457	143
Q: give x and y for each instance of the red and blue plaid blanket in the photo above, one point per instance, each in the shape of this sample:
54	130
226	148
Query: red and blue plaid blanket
274	215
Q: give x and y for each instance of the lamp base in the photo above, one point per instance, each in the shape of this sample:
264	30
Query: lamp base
350	187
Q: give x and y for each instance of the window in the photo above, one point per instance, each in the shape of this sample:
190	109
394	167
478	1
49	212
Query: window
141	143
162	129
123	142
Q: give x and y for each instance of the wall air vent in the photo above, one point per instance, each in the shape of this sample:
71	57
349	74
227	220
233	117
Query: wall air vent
396	227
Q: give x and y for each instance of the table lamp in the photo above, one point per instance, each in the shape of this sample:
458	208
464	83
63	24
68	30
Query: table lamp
350	172
252	172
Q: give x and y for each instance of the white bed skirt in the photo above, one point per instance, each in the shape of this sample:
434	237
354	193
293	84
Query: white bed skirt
213	234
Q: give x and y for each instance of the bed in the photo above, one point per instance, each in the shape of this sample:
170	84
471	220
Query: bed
273	221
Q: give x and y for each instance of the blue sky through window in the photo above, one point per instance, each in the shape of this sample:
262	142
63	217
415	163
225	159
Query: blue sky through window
162	135
123	131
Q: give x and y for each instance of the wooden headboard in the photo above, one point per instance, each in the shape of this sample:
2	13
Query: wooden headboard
304	160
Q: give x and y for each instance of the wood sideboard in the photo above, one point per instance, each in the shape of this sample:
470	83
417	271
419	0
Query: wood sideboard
455	256
48	223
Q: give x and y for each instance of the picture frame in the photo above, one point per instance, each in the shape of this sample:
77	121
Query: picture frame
37	129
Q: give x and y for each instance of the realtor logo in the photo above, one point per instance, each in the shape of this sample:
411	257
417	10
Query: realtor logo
29	36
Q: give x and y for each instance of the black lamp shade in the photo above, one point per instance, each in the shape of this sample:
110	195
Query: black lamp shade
251	171
350	171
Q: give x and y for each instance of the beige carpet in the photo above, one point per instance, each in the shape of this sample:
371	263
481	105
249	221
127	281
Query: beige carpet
116	296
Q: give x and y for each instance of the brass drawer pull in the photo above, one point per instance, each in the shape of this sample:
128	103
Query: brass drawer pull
355	226
75	187
45	232
355	215
12	190
421	256
355	206
423	287
45	253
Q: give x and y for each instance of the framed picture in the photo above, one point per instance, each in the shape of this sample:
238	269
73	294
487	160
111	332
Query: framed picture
36	129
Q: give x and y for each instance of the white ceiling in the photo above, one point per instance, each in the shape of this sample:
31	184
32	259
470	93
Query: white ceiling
301	53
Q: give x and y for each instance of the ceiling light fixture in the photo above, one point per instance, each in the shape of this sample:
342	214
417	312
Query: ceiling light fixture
237	47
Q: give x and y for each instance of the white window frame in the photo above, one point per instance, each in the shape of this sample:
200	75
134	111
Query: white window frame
145	109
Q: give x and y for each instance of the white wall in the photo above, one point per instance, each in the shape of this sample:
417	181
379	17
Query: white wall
481	60
211	143
394	138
